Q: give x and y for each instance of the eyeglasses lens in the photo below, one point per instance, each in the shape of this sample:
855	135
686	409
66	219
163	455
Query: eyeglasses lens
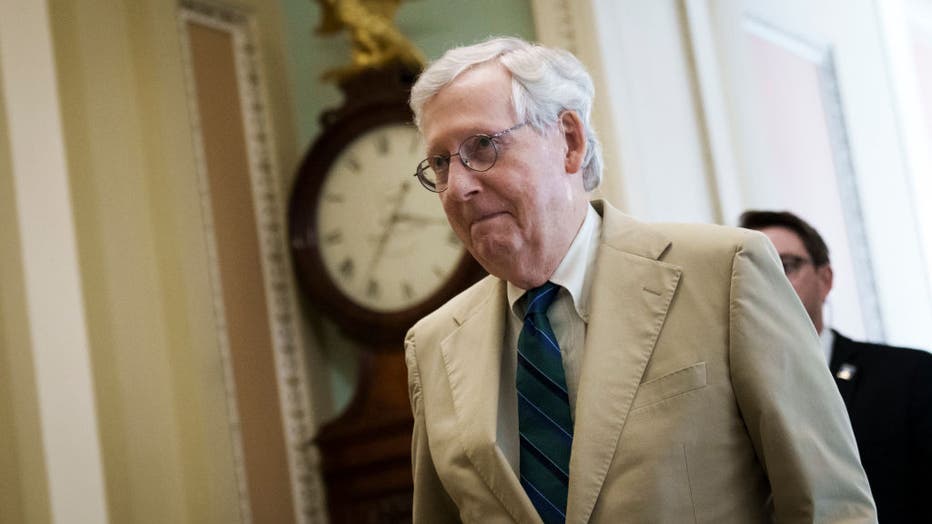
477	153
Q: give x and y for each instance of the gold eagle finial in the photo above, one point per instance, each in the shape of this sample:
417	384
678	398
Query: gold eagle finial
376	42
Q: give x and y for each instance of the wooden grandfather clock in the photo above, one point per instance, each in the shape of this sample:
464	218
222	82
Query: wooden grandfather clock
373	250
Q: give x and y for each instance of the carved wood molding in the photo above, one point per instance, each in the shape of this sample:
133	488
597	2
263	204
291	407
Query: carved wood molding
296	405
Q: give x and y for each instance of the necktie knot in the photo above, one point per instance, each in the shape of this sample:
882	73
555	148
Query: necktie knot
540	298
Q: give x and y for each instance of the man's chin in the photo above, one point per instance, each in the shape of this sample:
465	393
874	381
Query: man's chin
494	253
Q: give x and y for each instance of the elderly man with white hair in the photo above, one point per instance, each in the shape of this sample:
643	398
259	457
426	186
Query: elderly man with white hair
606	370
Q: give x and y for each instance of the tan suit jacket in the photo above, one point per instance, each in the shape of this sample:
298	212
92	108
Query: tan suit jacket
703	396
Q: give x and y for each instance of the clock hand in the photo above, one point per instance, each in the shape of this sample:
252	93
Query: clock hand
386	233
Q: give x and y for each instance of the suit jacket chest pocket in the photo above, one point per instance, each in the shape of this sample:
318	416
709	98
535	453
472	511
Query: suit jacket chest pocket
670	386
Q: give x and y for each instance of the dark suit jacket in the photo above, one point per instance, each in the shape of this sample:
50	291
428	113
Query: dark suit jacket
889	400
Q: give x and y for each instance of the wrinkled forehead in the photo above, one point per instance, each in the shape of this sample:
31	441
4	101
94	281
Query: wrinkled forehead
479	100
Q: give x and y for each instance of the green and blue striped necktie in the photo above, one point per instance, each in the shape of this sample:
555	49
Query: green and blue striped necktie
544	421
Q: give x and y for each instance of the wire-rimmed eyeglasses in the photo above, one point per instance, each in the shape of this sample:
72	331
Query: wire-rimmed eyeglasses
477	153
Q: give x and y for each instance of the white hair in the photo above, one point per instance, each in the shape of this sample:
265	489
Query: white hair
544	82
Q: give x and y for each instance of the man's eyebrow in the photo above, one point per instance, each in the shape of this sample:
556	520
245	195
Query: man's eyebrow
437	151
462	135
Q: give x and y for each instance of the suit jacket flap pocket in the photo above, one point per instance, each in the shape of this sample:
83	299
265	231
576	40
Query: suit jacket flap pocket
670	385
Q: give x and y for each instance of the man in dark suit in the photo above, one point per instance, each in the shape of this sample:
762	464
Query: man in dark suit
887	390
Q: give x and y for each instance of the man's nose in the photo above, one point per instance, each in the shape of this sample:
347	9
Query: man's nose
462	182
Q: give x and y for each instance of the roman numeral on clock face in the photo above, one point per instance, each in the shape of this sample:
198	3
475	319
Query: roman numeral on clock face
372	290
347	268
382	145
334	237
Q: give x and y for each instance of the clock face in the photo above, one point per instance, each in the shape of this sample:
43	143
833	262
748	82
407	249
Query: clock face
384	240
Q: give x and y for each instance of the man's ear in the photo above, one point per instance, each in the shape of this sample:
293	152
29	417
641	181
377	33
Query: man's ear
826	277
574	136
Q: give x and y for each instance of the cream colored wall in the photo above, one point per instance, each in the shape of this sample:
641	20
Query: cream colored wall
157	376
23	493
114	216
158	380
54	324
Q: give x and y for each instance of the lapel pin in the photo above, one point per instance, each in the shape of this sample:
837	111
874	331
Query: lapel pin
846	371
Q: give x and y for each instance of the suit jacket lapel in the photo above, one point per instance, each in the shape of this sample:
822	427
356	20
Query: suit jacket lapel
472	356
631	294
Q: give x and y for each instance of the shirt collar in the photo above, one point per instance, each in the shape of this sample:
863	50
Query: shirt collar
574	272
